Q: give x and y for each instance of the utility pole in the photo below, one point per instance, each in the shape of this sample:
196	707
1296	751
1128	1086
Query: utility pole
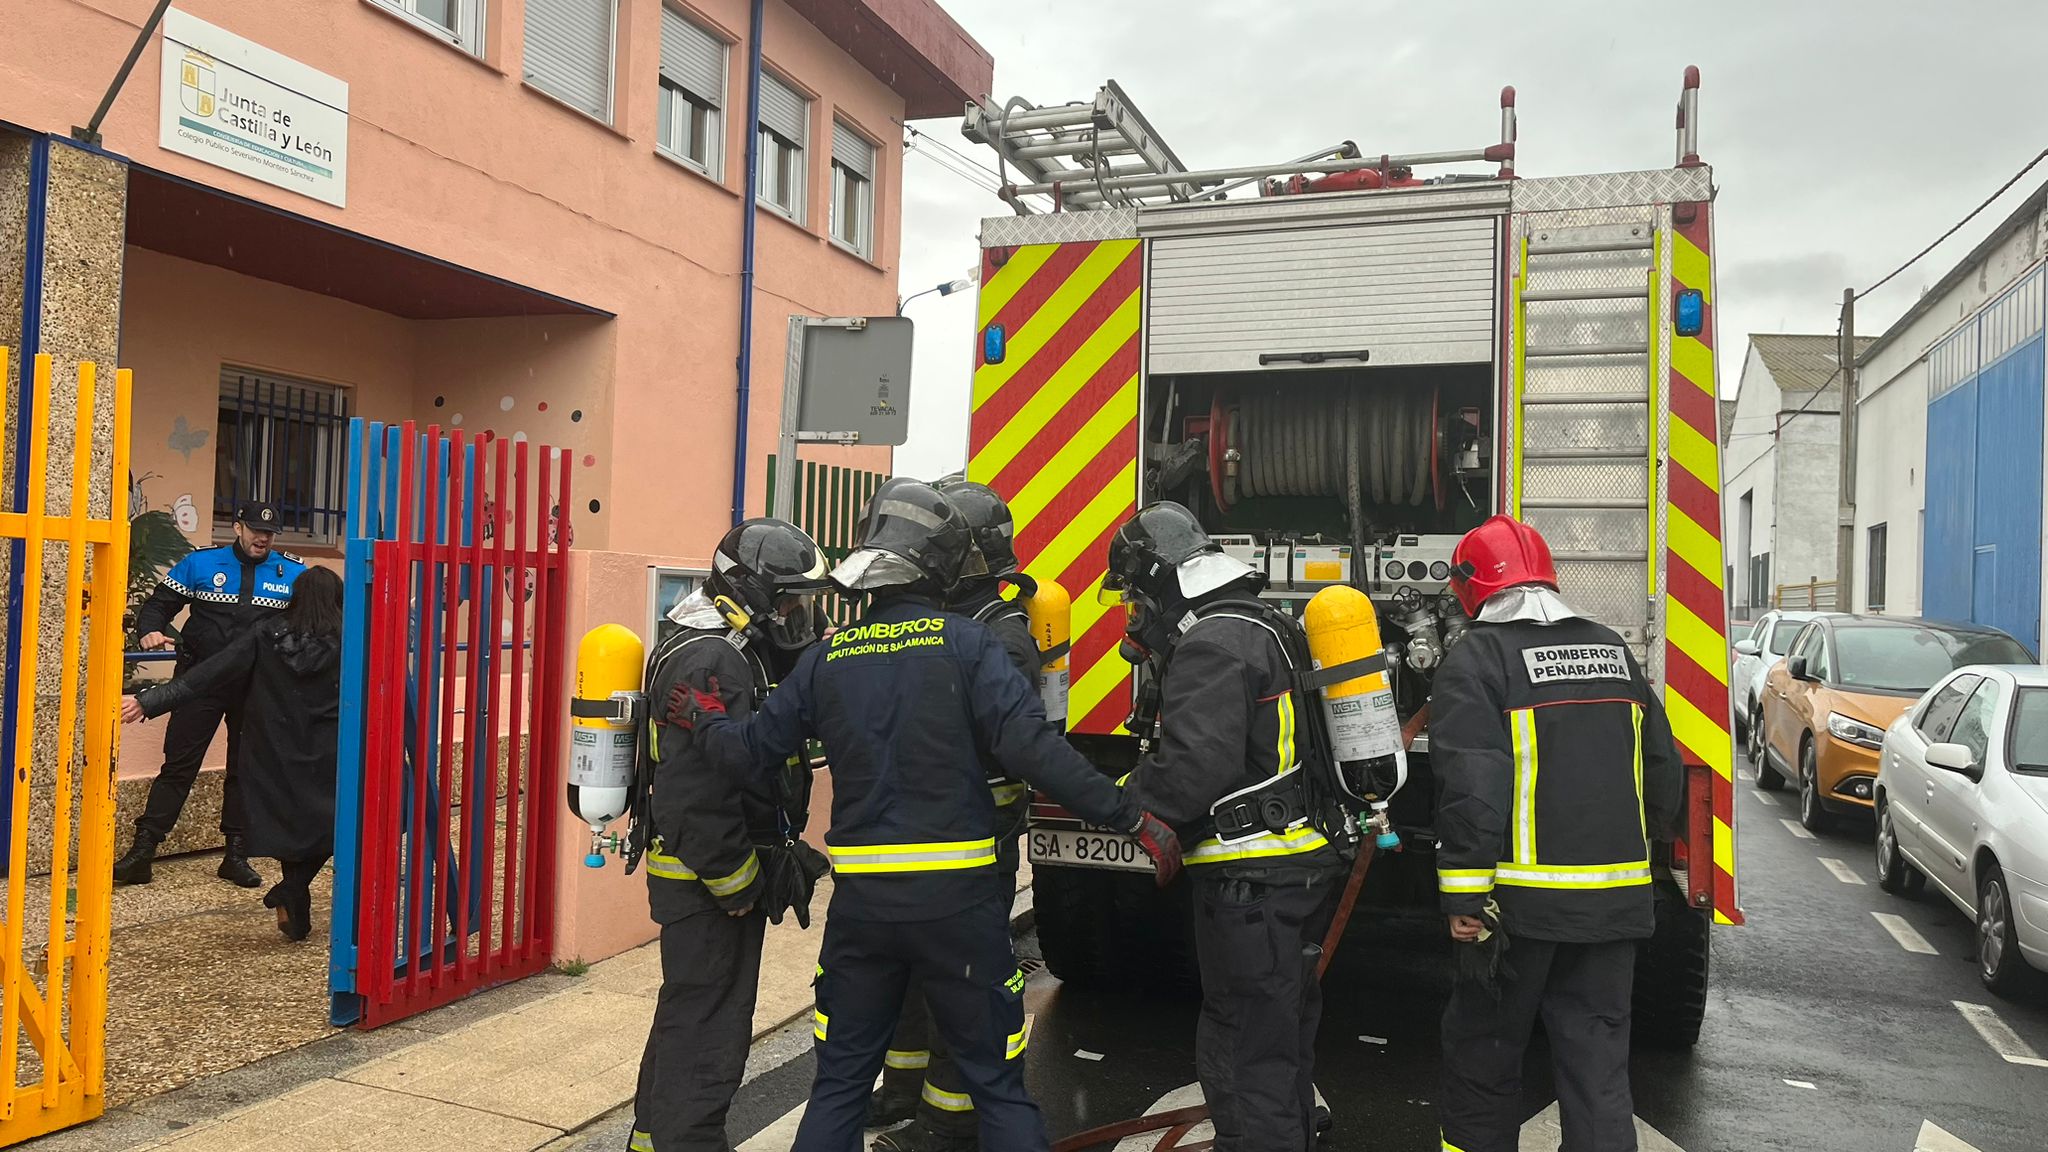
1845	535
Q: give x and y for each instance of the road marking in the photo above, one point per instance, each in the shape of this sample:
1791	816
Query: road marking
1843	872
1797	829
1908	937
1765	798
1934	1138
1999	1035
1809	1085
1543	1132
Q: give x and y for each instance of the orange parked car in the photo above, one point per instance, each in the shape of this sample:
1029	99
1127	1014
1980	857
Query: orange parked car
1846	678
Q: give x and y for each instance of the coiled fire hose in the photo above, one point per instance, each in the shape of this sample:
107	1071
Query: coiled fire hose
1180	1121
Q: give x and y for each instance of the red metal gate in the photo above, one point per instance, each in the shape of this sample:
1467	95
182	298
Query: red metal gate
465	642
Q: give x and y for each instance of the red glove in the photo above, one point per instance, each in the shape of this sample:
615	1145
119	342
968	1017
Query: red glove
687	706
1161	845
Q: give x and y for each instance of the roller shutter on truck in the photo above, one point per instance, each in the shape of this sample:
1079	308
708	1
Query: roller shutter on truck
1409	292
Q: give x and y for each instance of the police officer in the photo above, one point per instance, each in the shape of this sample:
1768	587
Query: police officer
714	839
1555	771
914	705
1264	896
919	1077
227	589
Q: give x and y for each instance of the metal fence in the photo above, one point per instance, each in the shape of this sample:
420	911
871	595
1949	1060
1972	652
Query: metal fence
64	933
828	504
444	830
1812	596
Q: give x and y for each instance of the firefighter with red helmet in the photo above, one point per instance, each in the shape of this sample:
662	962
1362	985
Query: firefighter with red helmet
1556	771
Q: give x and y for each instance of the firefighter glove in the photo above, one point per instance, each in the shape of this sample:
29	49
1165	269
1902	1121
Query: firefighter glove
687	706
1484	961
1161	845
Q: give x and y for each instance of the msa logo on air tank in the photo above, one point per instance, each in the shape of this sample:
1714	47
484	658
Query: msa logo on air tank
1556	662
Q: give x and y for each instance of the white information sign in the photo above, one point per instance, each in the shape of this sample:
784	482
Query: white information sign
243	107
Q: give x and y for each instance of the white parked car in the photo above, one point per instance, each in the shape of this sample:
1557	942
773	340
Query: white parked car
1755	655
1962	801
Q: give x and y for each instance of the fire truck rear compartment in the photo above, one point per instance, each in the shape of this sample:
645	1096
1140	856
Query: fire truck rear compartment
1352	455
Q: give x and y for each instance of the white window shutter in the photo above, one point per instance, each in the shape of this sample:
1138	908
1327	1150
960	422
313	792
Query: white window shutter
851	151
569	52
784	111
693	58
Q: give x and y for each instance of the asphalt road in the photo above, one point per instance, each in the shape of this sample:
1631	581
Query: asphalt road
1828	1031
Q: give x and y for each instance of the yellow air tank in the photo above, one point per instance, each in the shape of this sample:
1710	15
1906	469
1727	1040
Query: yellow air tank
1365	730
1052	622
604	740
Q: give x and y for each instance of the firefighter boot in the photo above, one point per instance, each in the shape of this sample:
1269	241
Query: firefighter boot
918	1136
892	1103
234	866
134	868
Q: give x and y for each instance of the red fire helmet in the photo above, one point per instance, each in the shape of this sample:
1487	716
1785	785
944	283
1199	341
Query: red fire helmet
1497	555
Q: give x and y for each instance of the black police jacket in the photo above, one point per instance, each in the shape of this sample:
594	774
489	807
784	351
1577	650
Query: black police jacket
226	590
708	819
917	707
1555	770
1228	721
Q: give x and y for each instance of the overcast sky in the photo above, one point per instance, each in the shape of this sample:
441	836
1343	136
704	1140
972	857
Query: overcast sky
1844	136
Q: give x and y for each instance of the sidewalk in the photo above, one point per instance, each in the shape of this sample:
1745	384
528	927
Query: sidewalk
528	1066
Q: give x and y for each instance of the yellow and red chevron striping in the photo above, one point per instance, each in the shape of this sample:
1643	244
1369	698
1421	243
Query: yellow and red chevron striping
1054	430
1695	614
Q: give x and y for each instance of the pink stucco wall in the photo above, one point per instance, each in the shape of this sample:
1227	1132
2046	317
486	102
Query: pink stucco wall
456	158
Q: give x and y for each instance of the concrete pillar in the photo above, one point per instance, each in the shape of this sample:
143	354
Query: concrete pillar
63	223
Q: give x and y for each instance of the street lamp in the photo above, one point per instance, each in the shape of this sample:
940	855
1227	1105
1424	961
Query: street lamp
946	289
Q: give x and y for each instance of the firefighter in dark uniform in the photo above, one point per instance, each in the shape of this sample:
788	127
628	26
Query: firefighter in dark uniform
1263	897
919	1078
1556	771
227	589
914	705
713	839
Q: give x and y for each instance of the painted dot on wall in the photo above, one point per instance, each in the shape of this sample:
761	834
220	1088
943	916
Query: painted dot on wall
440	400
455	421
576	417
505	403
519	437
594	506
543	405
589	461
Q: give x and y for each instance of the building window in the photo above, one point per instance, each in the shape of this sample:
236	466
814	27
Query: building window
283	441
692	93
853	190
460	22
1873	575
785	131
569	46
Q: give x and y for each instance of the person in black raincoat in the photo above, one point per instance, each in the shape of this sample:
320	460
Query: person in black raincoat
290	724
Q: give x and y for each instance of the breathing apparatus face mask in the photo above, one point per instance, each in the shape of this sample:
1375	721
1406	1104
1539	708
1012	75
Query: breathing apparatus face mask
1148	633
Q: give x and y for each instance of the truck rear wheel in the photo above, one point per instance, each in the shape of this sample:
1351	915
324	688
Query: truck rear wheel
1671	975
1114	931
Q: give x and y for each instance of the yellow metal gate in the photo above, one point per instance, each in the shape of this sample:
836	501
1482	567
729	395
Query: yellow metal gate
53	942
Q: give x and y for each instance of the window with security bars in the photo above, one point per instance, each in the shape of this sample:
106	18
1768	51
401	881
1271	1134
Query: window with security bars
1874	571
853	190
285	442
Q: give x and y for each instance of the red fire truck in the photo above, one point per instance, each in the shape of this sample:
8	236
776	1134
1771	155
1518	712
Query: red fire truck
1342	362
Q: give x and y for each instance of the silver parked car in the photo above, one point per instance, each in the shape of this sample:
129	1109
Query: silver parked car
1755	655
1962	801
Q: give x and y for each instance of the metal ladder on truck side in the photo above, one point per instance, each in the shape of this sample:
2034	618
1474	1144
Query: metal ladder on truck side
1586	412
1075	147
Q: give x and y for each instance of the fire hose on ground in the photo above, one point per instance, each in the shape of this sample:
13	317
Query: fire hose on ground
1181	1121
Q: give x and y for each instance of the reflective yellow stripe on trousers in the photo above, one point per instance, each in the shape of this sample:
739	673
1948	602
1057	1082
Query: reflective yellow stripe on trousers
912	857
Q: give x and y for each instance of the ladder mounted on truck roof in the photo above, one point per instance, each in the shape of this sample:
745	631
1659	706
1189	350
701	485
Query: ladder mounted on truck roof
1105	154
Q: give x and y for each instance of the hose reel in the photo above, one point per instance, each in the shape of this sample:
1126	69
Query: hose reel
1381	445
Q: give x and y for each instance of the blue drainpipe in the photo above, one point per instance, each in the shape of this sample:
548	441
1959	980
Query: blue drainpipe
31	343
747	214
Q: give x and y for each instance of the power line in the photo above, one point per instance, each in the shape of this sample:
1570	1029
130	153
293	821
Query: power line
953	164
957	171
971	162
2002	190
